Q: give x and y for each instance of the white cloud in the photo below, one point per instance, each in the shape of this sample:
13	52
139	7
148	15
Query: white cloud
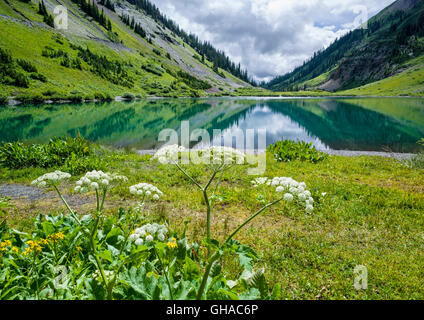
269	37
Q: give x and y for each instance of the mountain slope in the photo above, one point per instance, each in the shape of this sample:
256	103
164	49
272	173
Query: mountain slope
393	37
100	54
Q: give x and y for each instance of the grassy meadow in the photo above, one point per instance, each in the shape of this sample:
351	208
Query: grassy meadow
368	211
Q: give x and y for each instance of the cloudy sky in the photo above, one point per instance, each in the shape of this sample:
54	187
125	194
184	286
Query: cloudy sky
269	37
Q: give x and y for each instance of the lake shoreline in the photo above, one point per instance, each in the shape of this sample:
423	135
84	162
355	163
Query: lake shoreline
14	102
343	153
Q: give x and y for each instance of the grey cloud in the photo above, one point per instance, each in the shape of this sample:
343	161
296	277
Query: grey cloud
273	41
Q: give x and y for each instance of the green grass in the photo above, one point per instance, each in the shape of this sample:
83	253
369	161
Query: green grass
407	83
371	215
28	42
314	83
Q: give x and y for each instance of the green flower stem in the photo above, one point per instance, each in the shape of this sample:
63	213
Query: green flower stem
103	199
188	176
66	204
251	218
112	282
34	267
94	251
97	201
208	205
216	256
166	275
205	196
218	183
202	287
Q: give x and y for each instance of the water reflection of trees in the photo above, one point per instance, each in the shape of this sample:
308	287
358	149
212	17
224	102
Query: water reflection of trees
336	123
341	125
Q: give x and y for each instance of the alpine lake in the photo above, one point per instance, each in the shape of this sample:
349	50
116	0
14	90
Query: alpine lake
359	124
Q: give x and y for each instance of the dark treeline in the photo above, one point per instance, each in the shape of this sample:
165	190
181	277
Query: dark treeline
205	49
133	25
111	70
108	4
92	10
47	18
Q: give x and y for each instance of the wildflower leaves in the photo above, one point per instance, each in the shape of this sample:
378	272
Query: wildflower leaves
287	150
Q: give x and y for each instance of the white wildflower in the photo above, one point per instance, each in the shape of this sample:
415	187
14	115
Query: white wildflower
94	185
293	190
134	236
139	242
150	232
51	179
221	156
97	180
280	189
288	197
169	154
260	181
147	190
302	197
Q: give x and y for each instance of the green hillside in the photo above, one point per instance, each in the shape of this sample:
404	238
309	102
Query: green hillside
407	83
100	55
383	59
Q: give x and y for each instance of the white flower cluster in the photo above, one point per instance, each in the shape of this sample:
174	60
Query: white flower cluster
49	179
145	189
148	233
169	154
291	189
224	155
260	181
97	180
211	155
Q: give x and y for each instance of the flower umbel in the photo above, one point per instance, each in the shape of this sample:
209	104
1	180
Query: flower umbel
169	154
97	180
291	188
51	179
149	233
146	190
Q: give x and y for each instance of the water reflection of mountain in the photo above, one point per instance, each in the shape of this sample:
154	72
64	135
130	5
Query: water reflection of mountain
343	126
336	123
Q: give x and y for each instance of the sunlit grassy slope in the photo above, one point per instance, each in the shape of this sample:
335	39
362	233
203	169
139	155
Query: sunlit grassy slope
407	83
25	36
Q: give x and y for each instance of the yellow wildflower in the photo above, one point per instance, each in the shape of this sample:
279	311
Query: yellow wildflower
33	246
27	251
57	236
172	244
4	244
